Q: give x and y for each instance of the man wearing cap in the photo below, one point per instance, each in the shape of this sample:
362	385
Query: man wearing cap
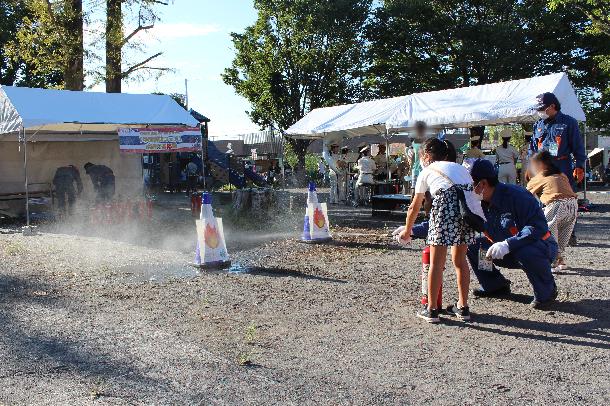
558	133
516	237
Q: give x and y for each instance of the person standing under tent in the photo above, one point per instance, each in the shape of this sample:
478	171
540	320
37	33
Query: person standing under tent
381	161
342	166
366	168
524	157
322	171
331	157
103	181
506	158
65	180
414	159
474	152
516	237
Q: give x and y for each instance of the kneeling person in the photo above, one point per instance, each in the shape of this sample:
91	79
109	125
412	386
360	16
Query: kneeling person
517	237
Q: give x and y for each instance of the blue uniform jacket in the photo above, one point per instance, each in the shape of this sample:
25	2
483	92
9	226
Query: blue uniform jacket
514	215
562	130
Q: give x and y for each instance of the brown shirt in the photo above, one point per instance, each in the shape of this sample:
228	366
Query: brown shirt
551	188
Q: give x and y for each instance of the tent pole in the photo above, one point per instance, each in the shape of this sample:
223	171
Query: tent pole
25	175
585	168
387	155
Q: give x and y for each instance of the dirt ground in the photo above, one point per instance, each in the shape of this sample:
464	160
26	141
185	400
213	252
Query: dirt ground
95	317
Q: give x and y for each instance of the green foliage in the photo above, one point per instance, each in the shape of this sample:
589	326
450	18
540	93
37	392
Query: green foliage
297	56
30	49
594	84
311	160
437	44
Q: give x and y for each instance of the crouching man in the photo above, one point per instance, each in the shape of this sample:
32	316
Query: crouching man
516	237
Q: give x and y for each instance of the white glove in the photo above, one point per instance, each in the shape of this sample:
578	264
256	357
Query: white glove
398	231
396	236
498	250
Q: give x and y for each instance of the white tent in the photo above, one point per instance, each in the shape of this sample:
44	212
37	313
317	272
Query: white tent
497	103
70	127
45	110
348	120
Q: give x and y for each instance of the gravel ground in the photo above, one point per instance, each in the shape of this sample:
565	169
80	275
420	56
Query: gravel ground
97	320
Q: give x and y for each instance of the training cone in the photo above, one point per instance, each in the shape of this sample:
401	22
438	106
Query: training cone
211	251
315	222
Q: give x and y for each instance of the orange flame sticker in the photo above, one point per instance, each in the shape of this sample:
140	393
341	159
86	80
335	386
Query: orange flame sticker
318	218
211	236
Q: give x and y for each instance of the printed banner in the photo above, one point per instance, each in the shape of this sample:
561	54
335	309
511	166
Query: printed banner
160	140
210	236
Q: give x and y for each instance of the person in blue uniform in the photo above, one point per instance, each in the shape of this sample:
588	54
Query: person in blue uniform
558	133
516	237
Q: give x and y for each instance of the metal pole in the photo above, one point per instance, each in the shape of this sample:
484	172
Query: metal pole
204	150
186	93
25	173
585	168
387	155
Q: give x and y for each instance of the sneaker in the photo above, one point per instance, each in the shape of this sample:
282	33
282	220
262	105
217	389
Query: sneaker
539	305
430	315
462	313
503	291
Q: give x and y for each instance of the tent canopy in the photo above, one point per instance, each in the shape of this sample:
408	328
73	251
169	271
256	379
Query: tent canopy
348	120
492	104
46	110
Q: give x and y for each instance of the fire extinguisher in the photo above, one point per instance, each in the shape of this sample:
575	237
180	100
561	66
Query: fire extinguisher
425	269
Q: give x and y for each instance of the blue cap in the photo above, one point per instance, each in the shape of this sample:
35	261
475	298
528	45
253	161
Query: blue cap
312	187
482	169
544	100
206	198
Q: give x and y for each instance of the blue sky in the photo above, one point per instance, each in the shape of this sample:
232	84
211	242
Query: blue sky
194	38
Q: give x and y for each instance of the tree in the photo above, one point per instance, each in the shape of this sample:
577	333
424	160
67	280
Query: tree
117	41
49	39
595	84
429	45
11	14
297	56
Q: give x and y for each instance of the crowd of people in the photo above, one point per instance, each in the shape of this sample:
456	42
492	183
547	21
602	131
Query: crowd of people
523	228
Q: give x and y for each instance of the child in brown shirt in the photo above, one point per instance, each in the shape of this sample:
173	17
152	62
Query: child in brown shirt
560	203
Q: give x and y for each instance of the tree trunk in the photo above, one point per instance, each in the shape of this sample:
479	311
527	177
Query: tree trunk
114	44
74	77
300	149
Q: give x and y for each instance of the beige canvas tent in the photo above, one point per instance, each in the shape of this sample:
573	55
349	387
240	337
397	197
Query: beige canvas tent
67	127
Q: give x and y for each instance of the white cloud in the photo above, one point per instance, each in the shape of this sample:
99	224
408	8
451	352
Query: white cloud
172	31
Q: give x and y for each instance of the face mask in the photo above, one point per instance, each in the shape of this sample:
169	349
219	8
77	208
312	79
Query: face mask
543	115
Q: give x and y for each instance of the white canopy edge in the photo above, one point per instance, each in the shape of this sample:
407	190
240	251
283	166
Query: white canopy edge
348	120
493	104
64	111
